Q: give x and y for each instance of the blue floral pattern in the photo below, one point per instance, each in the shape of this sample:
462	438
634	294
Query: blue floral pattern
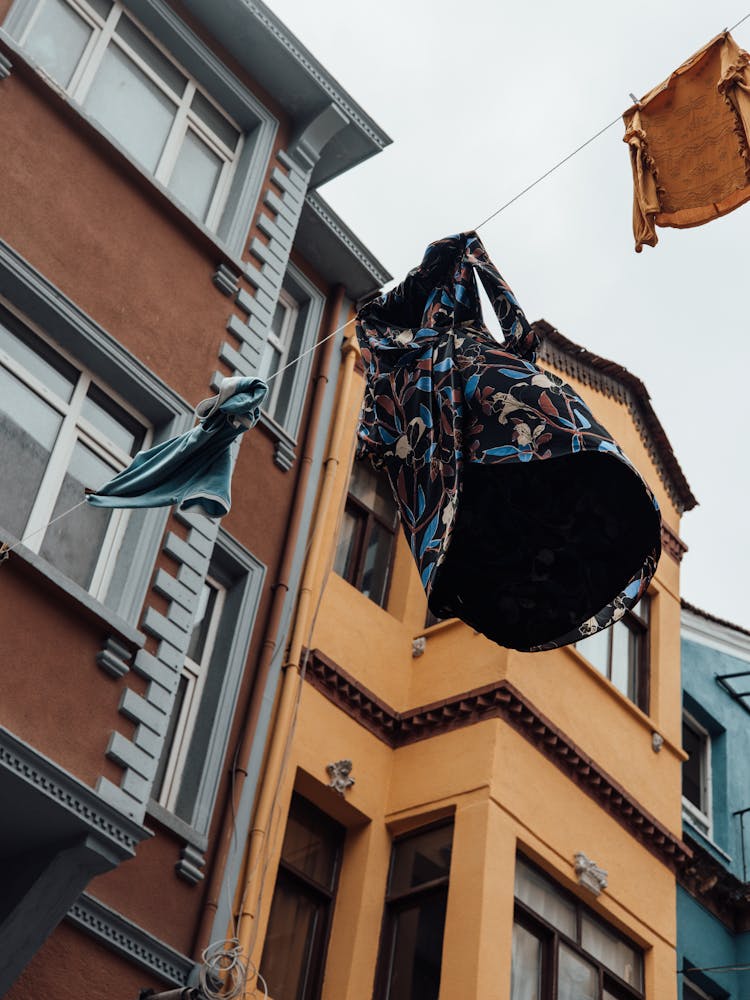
524	517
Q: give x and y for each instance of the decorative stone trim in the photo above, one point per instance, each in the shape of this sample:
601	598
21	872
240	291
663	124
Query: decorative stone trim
226	280
190	864
345	236
672	543
418	646
340	774
589	874
114	658
500	700
5	67
121	835
121	935
708	881
617	382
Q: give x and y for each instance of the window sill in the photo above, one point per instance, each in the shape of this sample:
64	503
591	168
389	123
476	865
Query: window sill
697	833
176	825
37	567
104	141
284	453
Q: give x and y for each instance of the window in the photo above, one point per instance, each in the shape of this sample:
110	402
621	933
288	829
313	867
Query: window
411	945
60	431
696	774
621	653
189	693
146	102
561	951
296	942
366	545
281	344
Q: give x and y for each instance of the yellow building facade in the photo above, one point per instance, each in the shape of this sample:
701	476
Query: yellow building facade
513	825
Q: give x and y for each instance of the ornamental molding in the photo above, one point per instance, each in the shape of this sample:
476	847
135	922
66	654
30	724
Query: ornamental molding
121	935
672	543
418	646
590	876
500	700
347	238
48	779
340	774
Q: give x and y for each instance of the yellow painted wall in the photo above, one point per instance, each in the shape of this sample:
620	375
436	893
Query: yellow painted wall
504	794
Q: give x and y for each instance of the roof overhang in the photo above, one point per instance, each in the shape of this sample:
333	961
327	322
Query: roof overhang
291	74
334	251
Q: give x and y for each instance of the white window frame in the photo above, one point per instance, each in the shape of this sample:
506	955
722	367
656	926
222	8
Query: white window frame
702	820
195	674
103	34
74	427
282	343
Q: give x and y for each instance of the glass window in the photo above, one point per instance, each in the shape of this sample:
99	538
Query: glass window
417	895
561	951
696	774
281	344
621	653
367	539
184	721
140	97
61	432
296	941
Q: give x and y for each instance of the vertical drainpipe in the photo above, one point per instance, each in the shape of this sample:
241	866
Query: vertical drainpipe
306	609
230	851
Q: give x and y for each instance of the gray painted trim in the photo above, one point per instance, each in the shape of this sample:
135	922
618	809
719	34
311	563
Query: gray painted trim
114	658
257	122
345	236
118	934
226	280
5	67
177	825
112	621
116	831
243	813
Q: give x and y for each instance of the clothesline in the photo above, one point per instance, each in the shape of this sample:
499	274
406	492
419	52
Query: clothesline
5	549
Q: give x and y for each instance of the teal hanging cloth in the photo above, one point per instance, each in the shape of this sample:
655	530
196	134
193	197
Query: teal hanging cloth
194	470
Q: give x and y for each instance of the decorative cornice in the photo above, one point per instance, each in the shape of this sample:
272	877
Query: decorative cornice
120	833
708	881
128	939
345	236
499	700
617	382
672	543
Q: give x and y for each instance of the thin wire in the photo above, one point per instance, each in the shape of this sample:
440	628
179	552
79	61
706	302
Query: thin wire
6	552
741	21
311	349
715	968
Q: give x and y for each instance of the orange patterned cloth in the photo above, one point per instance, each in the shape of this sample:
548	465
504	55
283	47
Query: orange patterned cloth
689	142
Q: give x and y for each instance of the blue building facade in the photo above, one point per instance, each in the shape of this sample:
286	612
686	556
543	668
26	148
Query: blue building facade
713	898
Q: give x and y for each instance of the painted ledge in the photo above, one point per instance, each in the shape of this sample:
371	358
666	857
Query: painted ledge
500	700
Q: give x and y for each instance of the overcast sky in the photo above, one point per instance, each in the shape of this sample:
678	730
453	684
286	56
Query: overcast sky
481	98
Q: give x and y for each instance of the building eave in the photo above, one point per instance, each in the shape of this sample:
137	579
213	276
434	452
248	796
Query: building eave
616	381
325	240
292	75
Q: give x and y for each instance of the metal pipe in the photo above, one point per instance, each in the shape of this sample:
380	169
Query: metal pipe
265	657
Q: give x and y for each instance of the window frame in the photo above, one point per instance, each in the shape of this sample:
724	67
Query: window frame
365	519
313	974
551	937
701	819
396	903
74	428
257	125
282	344
640	626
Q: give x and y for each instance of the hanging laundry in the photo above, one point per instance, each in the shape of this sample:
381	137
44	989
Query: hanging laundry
193	470
524	517
689	142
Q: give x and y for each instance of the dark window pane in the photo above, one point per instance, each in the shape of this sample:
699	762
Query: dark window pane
312	843
693	743
293	940
73	543
114	423
543	897
202	623
346	551
526	965
28	429
211	116
377	563
420	859
417	949
373	490
37	358
174	718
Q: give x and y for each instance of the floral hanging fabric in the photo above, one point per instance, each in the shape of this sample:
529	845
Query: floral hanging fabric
523	515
